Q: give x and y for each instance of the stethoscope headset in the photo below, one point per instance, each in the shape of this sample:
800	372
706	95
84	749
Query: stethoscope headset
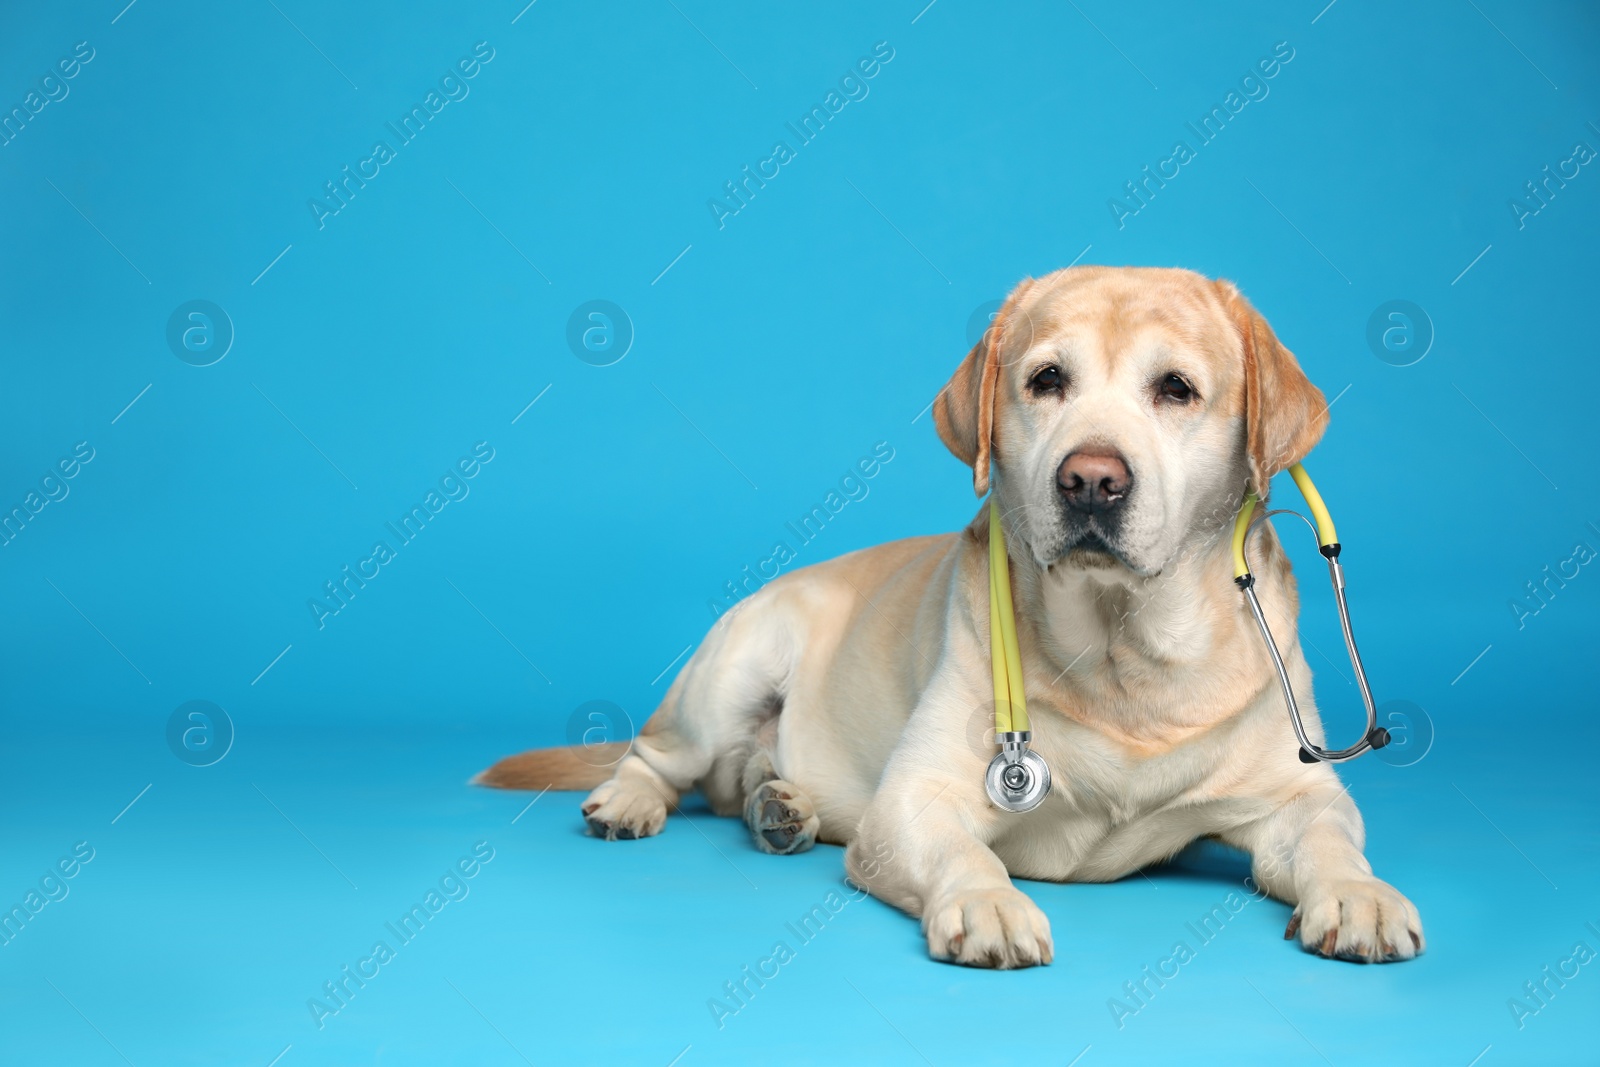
1018	779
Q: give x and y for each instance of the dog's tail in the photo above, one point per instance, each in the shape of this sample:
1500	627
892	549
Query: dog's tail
577	767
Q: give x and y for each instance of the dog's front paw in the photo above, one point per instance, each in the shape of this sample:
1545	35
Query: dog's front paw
1363	919
999	928
622	811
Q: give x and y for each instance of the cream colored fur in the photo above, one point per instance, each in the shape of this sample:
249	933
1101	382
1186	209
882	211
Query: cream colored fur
862	685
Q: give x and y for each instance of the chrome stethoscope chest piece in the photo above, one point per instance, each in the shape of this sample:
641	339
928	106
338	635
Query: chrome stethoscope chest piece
1018	778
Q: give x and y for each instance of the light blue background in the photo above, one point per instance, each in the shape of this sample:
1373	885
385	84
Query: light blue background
771	355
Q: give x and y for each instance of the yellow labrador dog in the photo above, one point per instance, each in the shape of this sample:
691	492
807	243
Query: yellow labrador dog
1118	416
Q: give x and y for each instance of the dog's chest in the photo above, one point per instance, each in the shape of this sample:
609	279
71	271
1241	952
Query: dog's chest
1112	810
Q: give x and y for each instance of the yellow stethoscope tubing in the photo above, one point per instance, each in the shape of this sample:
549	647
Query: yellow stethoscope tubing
1327	535
1010	703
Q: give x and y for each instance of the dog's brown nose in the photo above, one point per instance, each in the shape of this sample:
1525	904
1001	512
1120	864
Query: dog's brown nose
1094	480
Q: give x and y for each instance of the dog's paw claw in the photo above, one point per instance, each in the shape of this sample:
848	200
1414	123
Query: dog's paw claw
623	812
781	818
998	928
1363	920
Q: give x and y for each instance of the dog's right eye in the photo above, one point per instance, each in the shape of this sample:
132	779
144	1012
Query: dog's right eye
1047	380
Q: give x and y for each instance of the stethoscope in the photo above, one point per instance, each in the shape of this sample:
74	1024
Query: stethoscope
1018	779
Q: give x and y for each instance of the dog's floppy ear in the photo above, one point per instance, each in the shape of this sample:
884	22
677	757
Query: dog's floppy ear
963	411
1285	414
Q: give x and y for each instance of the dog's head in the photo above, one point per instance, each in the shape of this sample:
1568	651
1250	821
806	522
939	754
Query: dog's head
1126	411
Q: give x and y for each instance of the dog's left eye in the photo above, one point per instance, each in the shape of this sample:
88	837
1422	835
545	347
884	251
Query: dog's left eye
1174	387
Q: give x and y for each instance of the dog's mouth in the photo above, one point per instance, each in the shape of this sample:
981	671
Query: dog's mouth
1090	548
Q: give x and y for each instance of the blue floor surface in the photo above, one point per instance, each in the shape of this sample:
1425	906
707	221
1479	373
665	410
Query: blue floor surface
218	905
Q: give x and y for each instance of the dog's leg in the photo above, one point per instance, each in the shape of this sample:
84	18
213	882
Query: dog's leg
1307	853
714	708
923	846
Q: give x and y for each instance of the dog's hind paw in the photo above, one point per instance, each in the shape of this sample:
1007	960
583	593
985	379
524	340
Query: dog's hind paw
623	811
781	818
